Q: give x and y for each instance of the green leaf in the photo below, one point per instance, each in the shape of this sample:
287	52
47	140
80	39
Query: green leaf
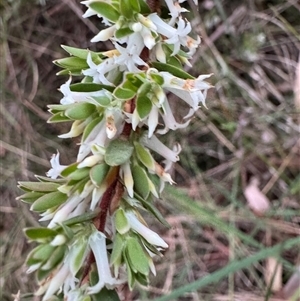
106	10
49	200
43	253
70	62
58	117
142	279
157	78
70	71
78	258
121	222
38	186
135	4
117	248
172	69
98	173
136	256
89	87
172	60
126	9
124	94
88	129
118	152
146	203
103	101
80	111
144	89
143	106
30	197
144	8
123	32
81	53
79	173
144	156
141	184
46	179
55	258
39	233
69	169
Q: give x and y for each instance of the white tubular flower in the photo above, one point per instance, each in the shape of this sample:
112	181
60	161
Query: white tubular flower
97	243
56	282
104	34
63	212
192	91
157	146
152	120
175	10
57	168
180	38
149	235
126	175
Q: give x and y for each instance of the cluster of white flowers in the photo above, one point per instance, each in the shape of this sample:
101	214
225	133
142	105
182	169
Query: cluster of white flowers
120	108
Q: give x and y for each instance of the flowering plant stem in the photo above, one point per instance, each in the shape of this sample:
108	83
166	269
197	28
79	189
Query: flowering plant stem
96	240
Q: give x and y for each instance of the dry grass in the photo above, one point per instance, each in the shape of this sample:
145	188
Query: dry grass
251	129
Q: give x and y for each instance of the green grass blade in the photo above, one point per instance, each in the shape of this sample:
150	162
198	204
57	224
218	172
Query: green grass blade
231	268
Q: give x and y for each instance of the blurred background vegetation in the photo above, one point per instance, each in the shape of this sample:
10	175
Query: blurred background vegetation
238	181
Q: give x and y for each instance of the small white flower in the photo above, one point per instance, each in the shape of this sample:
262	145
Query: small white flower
104	34
149	235
157	146
98	72
130	55
175	10
97	243
192	91
57	168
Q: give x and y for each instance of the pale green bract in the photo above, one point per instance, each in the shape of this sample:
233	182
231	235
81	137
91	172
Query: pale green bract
96	238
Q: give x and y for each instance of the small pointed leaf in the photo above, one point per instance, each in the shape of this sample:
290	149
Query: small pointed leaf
121	222
39	233
136	256
172	69
98	173
144	156
143	106
38	186
106	10
49	200
141	183
80	111
117	248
